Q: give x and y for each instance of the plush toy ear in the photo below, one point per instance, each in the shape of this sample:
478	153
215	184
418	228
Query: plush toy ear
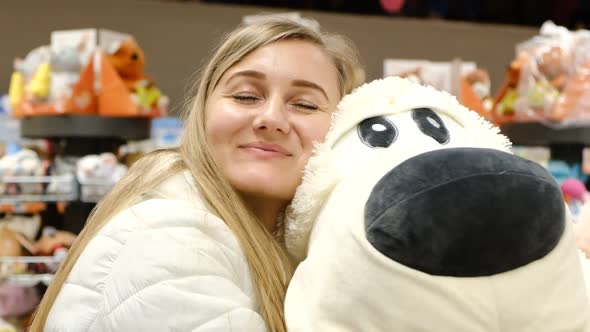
113	47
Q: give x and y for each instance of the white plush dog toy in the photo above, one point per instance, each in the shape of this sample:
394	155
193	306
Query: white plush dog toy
414	216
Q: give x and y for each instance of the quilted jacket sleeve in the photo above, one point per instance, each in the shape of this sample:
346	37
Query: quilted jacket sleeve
183	272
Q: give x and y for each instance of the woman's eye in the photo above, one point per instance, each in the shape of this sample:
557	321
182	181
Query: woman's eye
307	107
245	99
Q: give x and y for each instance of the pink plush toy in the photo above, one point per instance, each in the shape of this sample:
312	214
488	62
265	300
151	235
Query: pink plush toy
575	195
573	189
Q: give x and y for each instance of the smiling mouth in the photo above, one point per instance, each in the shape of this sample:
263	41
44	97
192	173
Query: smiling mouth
266	150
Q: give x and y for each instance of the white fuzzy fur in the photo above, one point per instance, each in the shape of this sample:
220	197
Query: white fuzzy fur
381	97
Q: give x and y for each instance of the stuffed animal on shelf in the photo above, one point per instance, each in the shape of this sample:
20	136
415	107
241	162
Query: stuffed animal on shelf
554	65
549	76
22	163
9	243
574	195
575	97
413	215
476	88
103	167
414	75
31	78
97	174
129	61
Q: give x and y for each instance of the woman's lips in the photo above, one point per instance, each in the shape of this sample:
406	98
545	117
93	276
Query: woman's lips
263	149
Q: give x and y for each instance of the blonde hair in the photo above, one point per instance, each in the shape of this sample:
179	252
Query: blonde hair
267	260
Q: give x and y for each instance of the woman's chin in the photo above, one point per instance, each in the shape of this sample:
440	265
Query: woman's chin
268	182
264	190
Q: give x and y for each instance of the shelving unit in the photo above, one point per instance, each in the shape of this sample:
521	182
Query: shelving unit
61	200
564	143
29	279
58	188
81	135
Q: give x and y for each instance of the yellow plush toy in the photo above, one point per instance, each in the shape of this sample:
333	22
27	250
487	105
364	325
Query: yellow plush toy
39	85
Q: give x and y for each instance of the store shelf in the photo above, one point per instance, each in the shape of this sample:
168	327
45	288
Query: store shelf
30	208
31	259
29	280
90	126
59	188
92	191
14	269
533	133
16	199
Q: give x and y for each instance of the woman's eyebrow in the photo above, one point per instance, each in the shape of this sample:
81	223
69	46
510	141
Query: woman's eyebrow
308	84
247	73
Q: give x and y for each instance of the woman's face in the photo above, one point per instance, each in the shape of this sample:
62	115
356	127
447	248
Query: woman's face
266	112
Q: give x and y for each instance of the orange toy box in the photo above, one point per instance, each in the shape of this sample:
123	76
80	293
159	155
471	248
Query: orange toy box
85	72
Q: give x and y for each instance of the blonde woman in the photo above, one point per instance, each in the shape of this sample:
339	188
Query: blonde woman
190	240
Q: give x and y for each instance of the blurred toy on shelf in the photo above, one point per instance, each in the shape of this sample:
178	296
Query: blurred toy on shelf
25	264
10	244
548	81
562	170
87	71
54	243
97	174
125	88
25	183
475	93
27	225
442	75
57	78
575	195
25	257
469	83
20	164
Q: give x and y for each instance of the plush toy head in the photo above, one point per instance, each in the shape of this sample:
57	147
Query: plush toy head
553	64
479	80
414	216
129	62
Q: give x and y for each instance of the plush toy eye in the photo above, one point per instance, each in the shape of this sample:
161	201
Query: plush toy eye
377	132
431	124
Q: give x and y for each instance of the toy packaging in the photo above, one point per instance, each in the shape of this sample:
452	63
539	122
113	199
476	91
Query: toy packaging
469	83
548	81
89	71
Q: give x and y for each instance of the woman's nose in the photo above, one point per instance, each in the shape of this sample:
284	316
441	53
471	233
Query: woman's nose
272	118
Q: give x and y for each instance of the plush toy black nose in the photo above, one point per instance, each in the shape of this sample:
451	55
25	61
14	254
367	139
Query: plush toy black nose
134	56
465	212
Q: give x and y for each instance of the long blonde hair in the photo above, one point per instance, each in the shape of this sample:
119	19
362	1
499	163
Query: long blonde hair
267	260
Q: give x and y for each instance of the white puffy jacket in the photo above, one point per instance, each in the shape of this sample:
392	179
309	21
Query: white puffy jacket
166	264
